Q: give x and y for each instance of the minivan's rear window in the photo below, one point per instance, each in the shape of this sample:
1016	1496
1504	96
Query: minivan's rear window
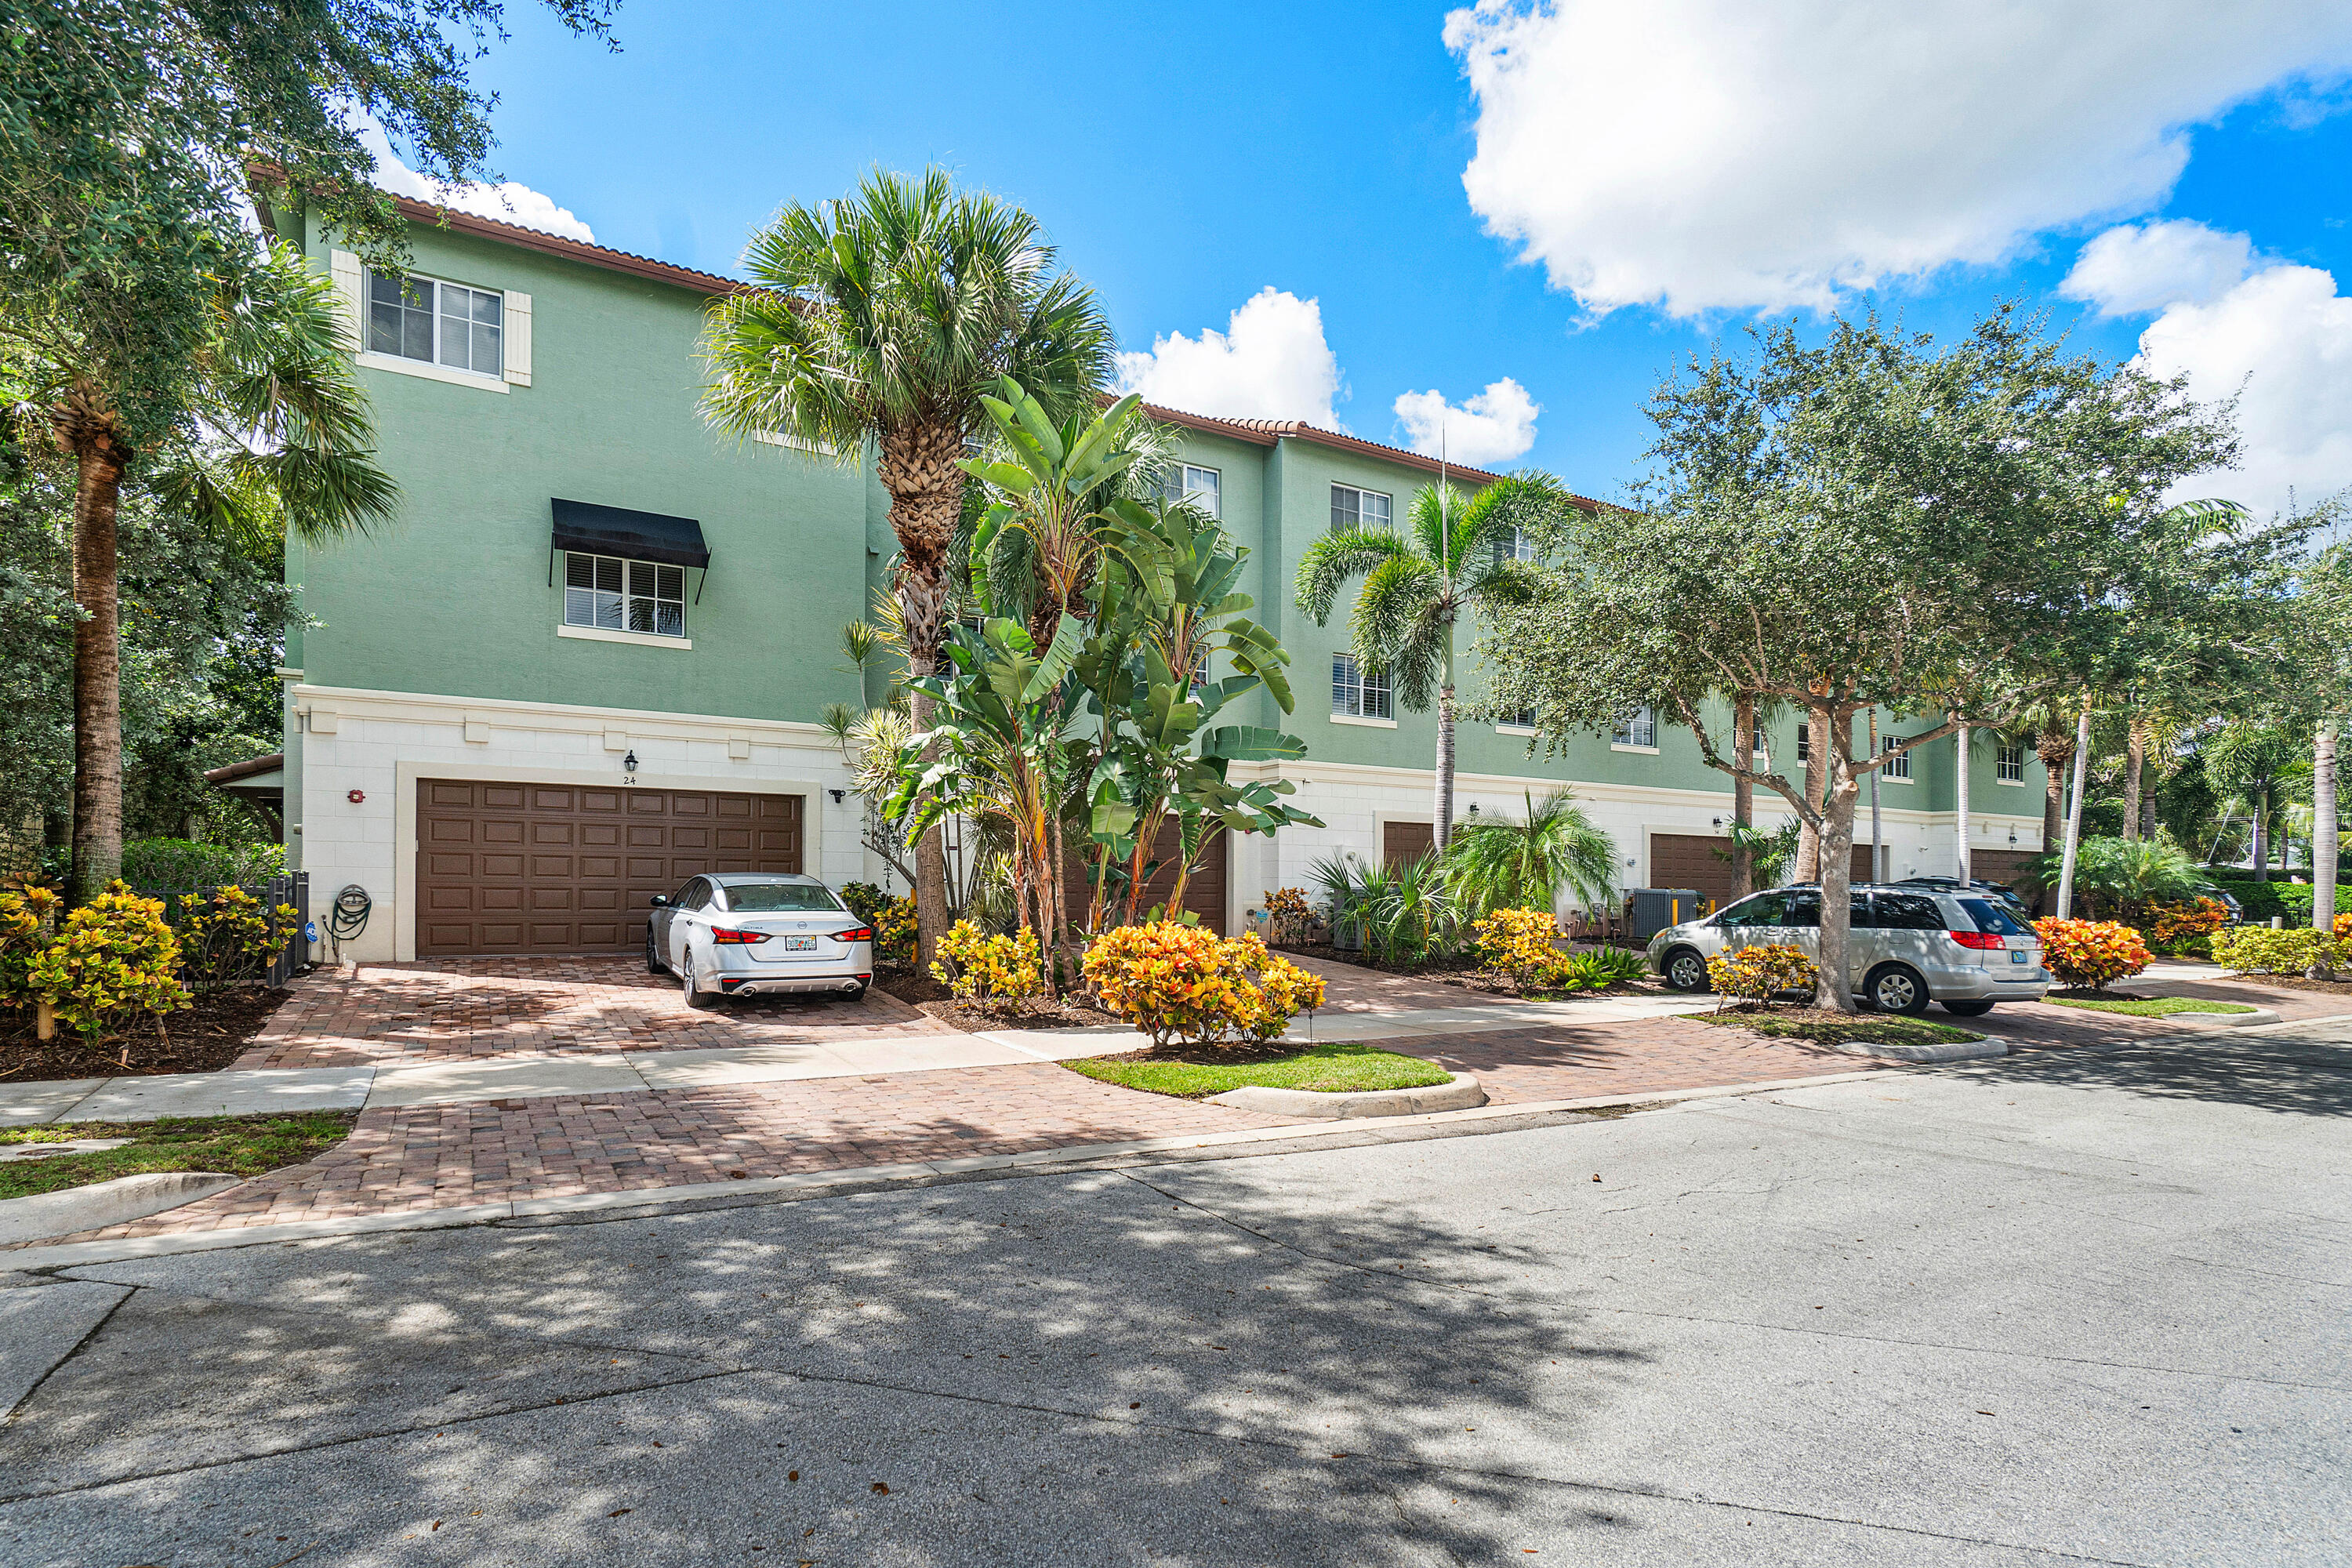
1908	911
781	898
1991	917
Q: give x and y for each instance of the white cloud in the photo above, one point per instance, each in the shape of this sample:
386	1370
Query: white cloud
2281	343
508	203
2138	267
1270	363
1490	427
1705	154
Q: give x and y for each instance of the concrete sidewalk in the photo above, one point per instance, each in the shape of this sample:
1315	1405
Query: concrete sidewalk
244	1091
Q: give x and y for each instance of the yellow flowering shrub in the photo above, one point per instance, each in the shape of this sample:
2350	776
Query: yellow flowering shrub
1288	913
2257	950
115	956
2344	928
1184	982
227	938
25	916
894	931
2092	952
973	964
1760	973
1518	942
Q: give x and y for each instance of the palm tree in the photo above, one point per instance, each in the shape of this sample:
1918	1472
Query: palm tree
1495	863
266	433
1453	557
2256	763
883	318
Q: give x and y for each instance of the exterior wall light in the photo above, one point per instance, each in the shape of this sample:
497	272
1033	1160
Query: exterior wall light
629	764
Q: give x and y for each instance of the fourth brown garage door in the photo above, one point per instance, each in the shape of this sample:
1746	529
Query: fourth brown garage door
556	869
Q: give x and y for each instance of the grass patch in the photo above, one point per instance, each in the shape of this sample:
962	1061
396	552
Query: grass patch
233	1145
1822	1028
2148	1006
1328	1069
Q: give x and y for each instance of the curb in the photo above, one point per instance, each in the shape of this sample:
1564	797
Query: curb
1977	1050
105	1203
1076	1156
2254	1020
1459	1093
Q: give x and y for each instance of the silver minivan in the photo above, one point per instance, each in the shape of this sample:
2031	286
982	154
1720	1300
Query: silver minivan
1911	946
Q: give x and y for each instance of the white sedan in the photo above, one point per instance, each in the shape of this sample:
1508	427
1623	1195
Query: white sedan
742	934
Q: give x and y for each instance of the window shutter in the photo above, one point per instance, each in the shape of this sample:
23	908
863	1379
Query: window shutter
348	278
517	338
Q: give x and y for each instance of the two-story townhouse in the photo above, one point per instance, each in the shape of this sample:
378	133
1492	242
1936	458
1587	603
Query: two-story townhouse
590	658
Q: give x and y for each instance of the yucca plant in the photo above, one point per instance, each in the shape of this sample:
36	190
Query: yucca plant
1415	916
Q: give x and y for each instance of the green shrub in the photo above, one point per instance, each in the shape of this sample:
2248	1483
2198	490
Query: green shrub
229	938
177	865
2257	950
114	957
1604	966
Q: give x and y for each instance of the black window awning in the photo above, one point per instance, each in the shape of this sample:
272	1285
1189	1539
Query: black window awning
638	535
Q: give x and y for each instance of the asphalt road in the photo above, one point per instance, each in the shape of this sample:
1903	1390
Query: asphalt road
2073	1309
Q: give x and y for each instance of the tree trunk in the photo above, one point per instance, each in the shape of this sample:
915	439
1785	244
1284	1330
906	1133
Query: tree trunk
1743	800
2135	773
1445	831
2074	813
1960	826
2055	748
98	658
2323	835
1834	990
1877	811
2261	805
916	465
1809	841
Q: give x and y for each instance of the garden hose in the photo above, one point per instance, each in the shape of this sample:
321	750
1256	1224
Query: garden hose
349	917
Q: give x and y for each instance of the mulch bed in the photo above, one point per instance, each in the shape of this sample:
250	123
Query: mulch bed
203	1038
975	1014
2294	983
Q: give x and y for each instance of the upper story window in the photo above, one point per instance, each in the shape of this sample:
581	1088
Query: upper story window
2009	764
1356	694
1514	546
1898	764
1757	742
1205	488
1805	742
1639	728
1352	508
445	324
617	595
1517	718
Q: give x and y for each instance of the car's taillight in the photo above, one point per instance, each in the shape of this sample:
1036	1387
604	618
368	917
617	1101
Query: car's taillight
855	934
745	938
1983	940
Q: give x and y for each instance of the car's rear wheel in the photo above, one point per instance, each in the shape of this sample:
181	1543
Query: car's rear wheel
1896	988
1686	970
695	994
654	965
1969	1009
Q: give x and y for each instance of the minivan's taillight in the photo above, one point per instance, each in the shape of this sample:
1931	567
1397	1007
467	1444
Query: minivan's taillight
855	934
1983	940
745	938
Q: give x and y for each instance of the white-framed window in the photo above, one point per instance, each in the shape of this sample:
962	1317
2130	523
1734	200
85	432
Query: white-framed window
1517	719
1804	741
1358	695
2009	764
613	595
1514	546
1352	508
448	324
1639	728
1898	765
1205	488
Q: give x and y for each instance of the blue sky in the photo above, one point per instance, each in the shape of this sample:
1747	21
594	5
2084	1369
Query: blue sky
1678	171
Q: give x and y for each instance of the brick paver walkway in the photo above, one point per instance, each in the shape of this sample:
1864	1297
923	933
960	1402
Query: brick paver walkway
458	1009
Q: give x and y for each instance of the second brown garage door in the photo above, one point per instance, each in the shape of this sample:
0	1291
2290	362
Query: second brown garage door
1696	861
519	867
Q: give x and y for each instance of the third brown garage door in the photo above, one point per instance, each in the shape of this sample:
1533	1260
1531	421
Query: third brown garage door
523	868
1696	861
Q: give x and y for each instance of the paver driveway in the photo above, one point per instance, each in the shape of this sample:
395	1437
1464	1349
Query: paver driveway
492	1006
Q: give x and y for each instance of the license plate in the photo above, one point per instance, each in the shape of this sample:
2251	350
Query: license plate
2018	955
798	943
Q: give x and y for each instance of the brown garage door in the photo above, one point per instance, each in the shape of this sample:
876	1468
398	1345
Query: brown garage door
1205	889
516	868
1691	860
1403	843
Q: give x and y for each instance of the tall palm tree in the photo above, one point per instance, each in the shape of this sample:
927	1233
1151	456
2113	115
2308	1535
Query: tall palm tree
883	317
2257	763
1453	556
266	433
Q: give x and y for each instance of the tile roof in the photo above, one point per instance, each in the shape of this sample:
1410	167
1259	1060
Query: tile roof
1258	432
